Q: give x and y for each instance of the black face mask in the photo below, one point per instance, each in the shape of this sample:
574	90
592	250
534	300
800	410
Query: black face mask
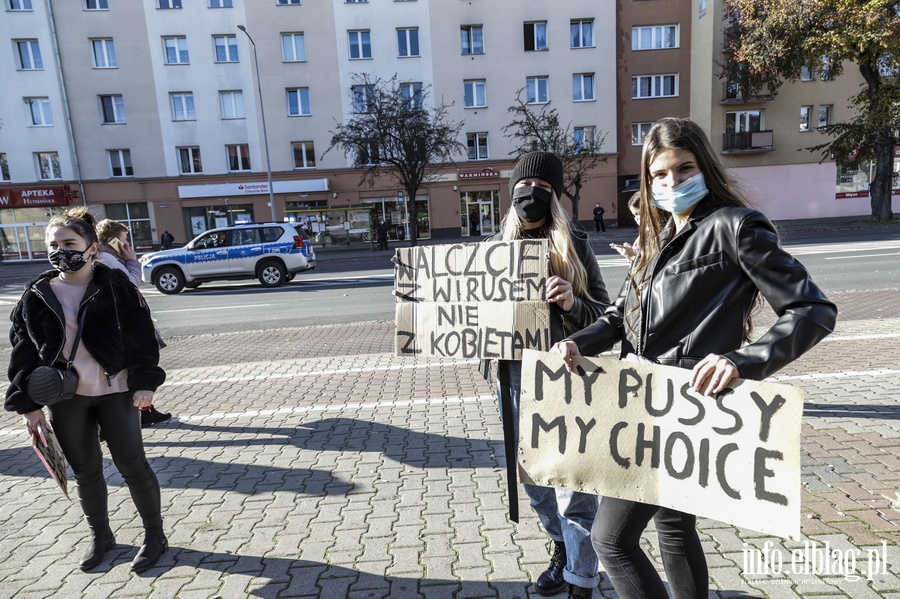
532	204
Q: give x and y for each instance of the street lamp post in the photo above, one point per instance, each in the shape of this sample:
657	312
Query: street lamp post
262	111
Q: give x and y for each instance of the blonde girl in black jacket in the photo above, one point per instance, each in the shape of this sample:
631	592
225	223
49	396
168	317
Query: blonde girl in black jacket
117	363
704	259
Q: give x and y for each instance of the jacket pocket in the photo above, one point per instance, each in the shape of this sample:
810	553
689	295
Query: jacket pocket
698	262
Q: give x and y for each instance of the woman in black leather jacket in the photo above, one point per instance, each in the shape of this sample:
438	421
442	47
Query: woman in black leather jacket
703	261
577	296
117	363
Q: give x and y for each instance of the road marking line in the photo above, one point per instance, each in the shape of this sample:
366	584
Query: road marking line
862	337
833	375
261	377
213	308
857	257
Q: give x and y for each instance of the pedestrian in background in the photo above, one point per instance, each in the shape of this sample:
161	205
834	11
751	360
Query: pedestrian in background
598	218
704	259
117	361
166	240
577	296
381	232
115	252
626	249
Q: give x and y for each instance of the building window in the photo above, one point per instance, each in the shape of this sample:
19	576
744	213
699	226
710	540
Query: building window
582	87
824	115
120	163
369	153
807	73
183	107
19	5
472	39
363	98
293	47
478	146
537	90
654	38
221	4
48	166
104	54
189	160
360	44
176	50
170	3
654	86
238	157
536	36
298	102
232	103
135	216
743	121
475	93
287	2
29	55
112	109
638	132
581	33
408	42
4	168
96	5
304	154
583	140
805	116
39	111
412	93
226	48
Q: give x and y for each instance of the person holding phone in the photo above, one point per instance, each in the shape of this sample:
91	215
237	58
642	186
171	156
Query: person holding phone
115	252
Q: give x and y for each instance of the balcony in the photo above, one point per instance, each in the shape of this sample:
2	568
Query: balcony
733	94
748	142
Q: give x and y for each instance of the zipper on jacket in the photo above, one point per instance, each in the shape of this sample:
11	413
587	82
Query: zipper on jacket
62	322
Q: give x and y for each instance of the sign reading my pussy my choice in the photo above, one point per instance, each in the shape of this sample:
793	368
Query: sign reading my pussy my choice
472	300
638	431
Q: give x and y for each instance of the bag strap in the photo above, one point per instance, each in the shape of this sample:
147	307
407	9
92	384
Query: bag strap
77	340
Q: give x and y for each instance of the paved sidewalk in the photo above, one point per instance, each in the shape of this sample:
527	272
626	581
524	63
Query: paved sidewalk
338	470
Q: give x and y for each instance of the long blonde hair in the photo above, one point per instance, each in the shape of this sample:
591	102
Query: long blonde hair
564	260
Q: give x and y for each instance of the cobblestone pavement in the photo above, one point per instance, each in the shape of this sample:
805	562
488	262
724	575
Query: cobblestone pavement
313	463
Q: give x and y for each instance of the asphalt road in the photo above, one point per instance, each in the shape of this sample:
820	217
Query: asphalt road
359	290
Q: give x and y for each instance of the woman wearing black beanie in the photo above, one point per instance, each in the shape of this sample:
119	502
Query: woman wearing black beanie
577	297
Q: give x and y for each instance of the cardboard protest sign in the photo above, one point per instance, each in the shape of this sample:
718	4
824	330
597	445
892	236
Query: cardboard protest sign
637	431
48	450
472	300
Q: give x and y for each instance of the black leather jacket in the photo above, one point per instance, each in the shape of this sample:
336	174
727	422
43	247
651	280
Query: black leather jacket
702	287
127	342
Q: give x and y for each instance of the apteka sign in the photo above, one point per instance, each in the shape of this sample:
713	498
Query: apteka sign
637	431
472	300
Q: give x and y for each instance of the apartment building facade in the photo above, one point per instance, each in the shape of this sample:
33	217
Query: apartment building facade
150	111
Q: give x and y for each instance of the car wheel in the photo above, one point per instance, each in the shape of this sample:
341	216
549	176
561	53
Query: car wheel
272	274
170	281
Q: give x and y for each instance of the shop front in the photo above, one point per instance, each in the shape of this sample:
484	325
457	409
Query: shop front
480	212
24	214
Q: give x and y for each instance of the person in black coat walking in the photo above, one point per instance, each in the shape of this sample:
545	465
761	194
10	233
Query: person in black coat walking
117	361
598	218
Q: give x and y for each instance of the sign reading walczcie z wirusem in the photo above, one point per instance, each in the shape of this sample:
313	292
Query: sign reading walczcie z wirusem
637	431
472	300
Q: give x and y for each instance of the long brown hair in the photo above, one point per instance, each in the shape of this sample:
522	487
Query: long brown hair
81	220
677	134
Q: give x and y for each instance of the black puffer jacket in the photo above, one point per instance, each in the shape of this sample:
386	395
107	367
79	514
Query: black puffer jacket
127	342
702	289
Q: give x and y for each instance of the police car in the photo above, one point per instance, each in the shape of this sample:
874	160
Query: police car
270	252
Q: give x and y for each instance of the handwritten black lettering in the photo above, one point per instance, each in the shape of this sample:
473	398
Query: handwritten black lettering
761	472
538	424
766	411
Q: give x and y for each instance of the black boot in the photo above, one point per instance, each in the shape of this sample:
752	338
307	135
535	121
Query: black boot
155	544
102	540
551	581
576	592
153	416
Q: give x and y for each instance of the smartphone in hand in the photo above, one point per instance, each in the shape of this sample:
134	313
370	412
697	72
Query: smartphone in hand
115	244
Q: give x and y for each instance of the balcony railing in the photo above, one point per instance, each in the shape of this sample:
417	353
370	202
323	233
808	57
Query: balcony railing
733	94
748	142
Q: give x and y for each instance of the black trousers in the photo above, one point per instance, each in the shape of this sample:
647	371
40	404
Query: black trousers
75	422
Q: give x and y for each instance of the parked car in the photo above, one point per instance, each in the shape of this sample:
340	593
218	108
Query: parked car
270	252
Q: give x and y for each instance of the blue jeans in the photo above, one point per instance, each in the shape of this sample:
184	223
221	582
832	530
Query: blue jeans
567	515
617	535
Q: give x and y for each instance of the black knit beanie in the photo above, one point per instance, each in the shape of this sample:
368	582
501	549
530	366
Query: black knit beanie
541	165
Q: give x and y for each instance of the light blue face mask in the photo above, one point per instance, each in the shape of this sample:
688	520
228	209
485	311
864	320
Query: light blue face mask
682	197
